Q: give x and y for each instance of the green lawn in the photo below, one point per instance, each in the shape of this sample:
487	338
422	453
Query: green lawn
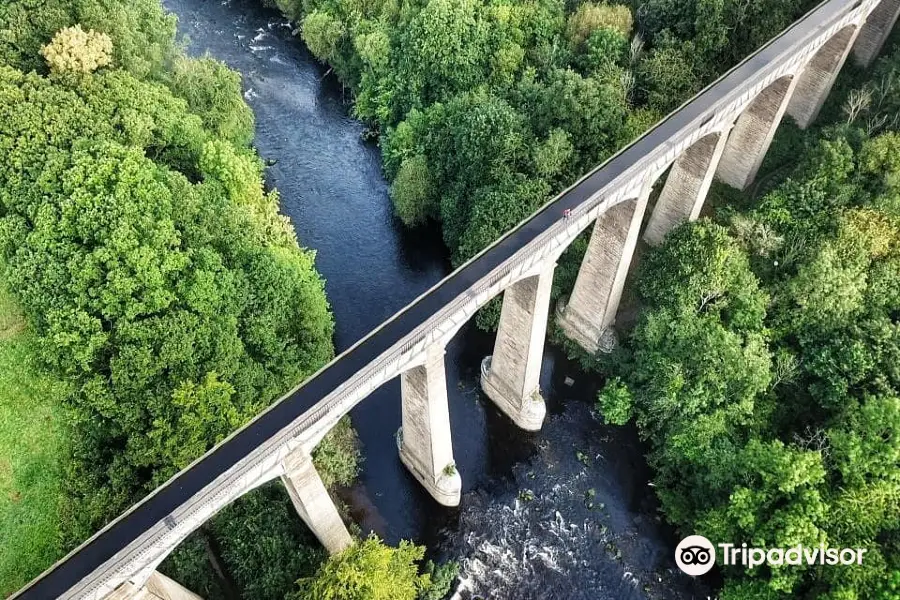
32	441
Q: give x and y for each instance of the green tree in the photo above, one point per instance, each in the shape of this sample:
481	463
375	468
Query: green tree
668	75
156	273
481	138
179	309
442	51
368	570
77	51
592	111
213	92
723	31
615	403
143	34
323	32
498	208
412	192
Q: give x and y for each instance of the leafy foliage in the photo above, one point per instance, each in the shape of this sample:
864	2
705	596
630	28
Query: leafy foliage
615	402
412	191
441	578
486	109
143	34
589	18
213	92
368	570
763	372
155	271
74	50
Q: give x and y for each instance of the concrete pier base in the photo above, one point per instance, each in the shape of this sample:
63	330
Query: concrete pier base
875	32
752	134
686	187
312	502
158	587
511	376
815	83
424	440
591	311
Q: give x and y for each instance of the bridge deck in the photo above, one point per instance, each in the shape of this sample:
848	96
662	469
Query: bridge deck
183	487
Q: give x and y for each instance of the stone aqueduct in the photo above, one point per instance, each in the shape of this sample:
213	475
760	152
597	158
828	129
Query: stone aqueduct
723	133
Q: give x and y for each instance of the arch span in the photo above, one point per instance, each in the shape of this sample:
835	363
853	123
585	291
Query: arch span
686	186
753	132
818	76
590	313
875	32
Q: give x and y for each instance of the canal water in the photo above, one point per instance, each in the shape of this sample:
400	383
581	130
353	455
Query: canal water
566	513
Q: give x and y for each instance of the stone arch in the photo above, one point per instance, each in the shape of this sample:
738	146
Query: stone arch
753	132
591	311
818	76
874	33
686	186
137	573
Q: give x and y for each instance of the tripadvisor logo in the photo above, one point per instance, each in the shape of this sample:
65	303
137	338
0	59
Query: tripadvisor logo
696	555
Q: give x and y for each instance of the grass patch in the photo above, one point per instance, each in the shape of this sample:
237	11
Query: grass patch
32	444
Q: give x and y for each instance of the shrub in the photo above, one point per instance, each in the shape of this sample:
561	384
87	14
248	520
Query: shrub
412	192
590	17
73	50
368	570
614	402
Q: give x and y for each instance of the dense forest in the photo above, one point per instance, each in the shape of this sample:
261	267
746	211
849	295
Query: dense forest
485	109
763	369
146	270
154	299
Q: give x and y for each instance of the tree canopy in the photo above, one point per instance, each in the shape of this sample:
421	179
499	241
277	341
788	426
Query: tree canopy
368	570
487	109
153	267
763	371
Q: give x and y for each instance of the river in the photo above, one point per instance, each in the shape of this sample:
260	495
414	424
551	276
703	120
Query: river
566	513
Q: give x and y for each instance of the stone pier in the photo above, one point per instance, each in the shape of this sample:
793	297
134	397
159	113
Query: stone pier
158	587
686	187
511	376
591	311
817	79
876	32
312	502
753	132
424	441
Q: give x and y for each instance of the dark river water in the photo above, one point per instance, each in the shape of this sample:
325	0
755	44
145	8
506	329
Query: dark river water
566	513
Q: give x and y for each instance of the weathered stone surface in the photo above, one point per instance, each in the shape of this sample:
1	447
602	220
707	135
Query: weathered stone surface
313	504
818	77
752	134
875	32
686	187
513	379
591	310
425	443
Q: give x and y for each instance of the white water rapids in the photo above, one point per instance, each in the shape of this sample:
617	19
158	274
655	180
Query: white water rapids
565	529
